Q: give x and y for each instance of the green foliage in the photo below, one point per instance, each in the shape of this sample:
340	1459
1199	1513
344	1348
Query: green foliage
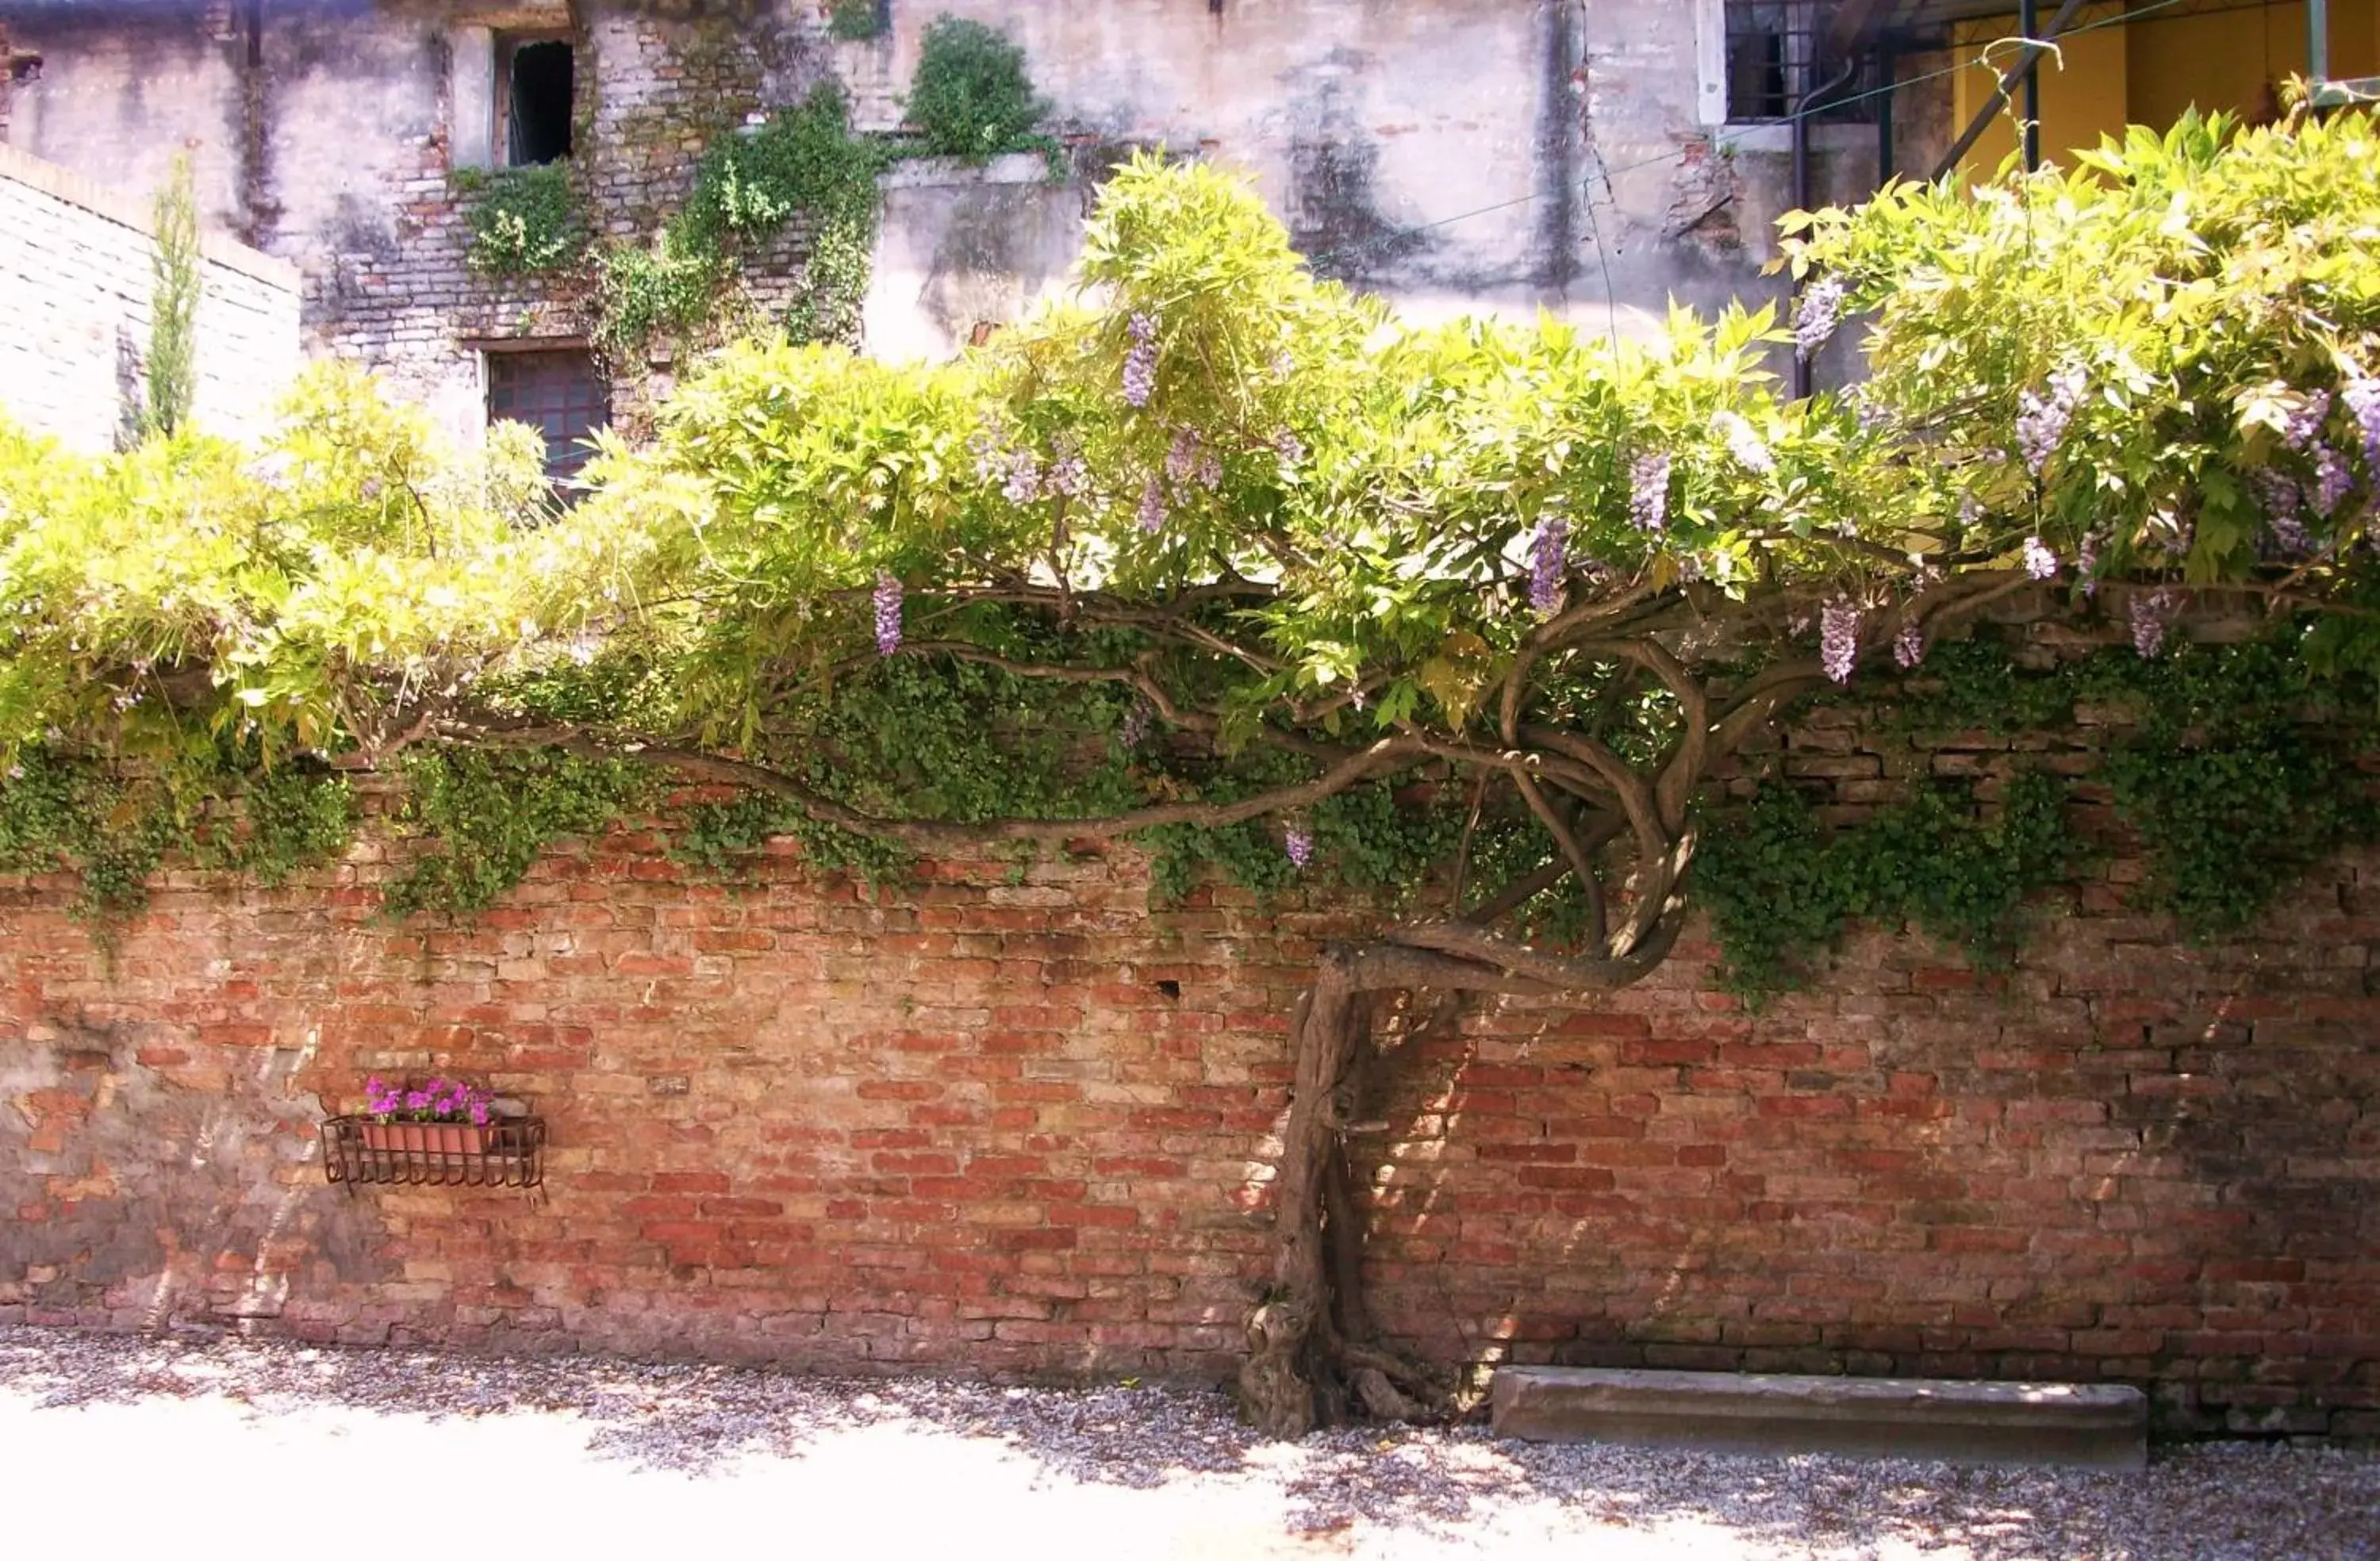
112	826
1781	888
522	220
2200	288
2234	768
720	838
172	364
668	287
490	815
1332	554
295	819
2241	775
972	96
852	20
1365	841
803	162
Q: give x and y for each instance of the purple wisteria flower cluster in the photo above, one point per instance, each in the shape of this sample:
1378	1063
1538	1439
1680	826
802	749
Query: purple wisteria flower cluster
2151	614
1140	363
1151	513
2331	480
1548	560
2040	564
1839	625
1021	483
2086	563
435	1100
1187	460
1909	645
1298	840
2042	419
1817	314
2303	431
2304	425
888	614
1743	443
2283	502
2362	398
1135	729
1070	475
1648	491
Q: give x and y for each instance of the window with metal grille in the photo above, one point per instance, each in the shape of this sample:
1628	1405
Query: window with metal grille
559	394
1778	54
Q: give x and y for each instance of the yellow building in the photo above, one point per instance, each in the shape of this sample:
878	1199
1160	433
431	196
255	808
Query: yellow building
2145	62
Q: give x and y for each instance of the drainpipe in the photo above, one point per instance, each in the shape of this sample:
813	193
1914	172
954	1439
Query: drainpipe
1804	106
1887	156
2028	17
2318	42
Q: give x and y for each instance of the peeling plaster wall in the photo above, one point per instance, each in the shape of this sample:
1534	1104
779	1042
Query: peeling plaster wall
1450	154
324	131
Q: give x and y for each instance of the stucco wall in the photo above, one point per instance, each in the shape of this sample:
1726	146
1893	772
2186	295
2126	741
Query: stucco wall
1454	155
77	281
326	134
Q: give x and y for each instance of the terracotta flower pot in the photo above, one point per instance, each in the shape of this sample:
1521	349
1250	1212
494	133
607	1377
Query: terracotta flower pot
426	1138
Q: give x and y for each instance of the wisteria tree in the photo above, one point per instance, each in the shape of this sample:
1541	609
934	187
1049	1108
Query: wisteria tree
1219	558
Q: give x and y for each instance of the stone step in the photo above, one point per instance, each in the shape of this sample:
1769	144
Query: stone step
1900	1417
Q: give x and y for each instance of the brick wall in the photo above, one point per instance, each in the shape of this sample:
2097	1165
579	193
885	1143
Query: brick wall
76	269
1024	1127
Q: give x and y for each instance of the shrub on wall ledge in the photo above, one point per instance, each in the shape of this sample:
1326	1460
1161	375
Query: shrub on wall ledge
971	97
853	20
522	220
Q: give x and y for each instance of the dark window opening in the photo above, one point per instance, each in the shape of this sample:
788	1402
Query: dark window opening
560	394
537	79
1779	52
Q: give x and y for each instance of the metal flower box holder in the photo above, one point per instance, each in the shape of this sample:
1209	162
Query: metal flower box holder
507	1152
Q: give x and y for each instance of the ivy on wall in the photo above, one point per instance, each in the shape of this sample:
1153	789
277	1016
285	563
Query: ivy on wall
2234	769
112	828
801	163
522	220
971	98
853	20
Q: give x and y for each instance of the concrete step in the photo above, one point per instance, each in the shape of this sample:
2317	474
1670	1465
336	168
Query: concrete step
2104	1427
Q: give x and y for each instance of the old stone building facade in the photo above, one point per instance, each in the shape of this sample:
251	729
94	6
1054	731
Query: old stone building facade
1453	154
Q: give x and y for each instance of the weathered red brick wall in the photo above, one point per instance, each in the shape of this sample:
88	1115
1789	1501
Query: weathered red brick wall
1024	1128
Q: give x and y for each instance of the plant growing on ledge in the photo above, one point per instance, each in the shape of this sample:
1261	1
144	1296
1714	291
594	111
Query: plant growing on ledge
1452	623
971	96
522	220
802	163
853	20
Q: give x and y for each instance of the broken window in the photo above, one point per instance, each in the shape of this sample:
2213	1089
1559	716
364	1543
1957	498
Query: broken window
1778	54
560	393
534	79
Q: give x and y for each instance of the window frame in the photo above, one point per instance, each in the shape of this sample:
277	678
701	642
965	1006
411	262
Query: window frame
507	44
510	351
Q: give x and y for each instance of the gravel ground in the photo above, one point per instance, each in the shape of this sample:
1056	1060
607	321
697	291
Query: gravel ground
235	1442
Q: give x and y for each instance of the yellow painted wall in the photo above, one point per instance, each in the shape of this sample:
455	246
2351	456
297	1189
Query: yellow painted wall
2080	102
2233	59
2147	71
